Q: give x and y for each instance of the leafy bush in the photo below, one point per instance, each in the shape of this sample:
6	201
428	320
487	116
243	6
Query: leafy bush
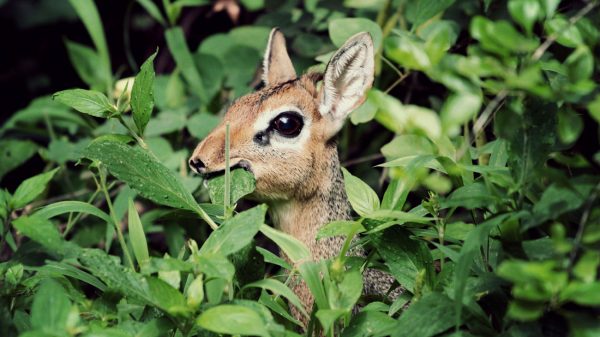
485	113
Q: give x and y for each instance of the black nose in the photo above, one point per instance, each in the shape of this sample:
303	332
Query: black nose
197	165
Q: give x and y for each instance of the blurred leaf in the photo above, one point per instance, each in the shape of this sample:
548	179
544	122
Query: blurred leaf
13	153
419	11
51	307
137	236
201	124
587	294
235	233
593	108
340	30
361	196
166	122
153	10
407	51
233	320
580	64
471	196
242	184
570	125
31	188
525	12
557	200
85	61
587	266
500	37
568	35
90	102
459	109
142	94
88	13
184	60
439	37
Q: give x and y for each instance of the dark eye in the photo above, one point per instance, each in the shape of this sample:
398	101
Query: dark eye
288	124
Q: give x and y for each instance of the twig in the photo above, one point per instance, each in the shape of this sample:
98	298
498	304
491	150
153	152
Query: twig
361	160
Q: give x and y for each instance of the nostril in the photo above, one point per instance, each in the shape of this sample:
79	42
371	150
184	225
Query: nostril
197	165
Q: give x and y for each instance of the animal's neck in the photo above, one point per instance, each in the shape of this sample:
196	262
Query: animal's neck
303	218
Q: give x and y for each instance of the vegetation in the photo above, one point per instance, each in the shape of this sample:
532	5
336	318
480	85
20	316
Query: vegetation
485	114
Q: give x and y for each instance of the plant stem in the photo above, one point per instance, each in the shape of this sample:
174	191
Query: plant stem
227	192
116	221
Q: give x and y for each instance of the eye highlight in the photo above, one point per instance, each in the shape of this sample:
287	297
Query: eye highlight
288	124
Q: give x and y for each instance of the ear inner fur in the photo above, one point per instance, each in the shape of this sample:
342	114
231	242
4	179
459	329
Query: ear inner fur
277	65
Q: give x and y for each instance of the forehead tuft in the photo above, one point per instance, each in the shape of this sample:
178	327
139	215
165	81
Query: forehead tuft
300	92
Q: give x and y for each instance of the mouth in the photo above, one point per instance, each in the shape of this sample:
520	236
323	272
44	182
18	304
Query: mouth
240	164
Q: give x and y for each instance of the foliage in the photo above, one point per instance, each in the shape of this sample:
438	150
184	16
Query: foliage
489	218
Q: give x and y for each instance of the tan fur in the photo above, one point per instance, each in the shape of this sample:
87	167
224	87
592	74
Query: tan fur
303	186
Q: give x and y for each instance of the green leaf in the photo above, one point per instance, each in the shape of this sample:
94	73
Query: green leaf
407	51
558	199
419	11
181	53
142	94
242	184
85	60
417	319
13	153
41	231
459	109
137	236
340	228
31	188
62	207
233	320
327	317
404	256
235	233
87	11
587	294
51	307
361	196
568	34
201	124
143	173
525	12
370	323
294	249
570	125
273	259
580	64
587	266
471	196
593	108
153	10
90	102
195	292
500	37
340	30
279	288
66	269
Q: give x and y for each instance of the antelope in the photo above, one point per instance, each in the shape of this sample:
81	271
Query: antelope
285	134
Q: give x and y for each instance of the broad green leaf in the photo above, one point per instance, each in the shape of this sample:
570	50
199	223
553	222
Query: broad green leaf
143	173
51	307
419	11
87	11
235	233
137	236
181	53
66	269
41	231
279	288
13	153
405	257
327	317
370	323
570	125
417	319
340	228
568	34
525	12
312	273
500	37
195	292
587	294
90	102
558	199
587	266
233	320
273	259
242	184
346	293
580	64
294	249
407	51
31	188
593	108
361	196
142	94
340	30
201	124
470	196
459	109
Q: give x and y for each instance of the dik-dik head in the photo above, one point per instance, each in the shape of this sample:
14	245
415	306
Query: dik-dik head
284	132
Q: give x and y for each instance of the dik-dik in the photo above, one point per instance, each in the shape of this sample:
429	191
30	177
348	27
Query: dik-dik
285	135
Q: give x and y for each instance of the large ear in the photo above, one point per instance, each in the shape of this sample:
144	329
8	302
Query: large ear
277	66
348	76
